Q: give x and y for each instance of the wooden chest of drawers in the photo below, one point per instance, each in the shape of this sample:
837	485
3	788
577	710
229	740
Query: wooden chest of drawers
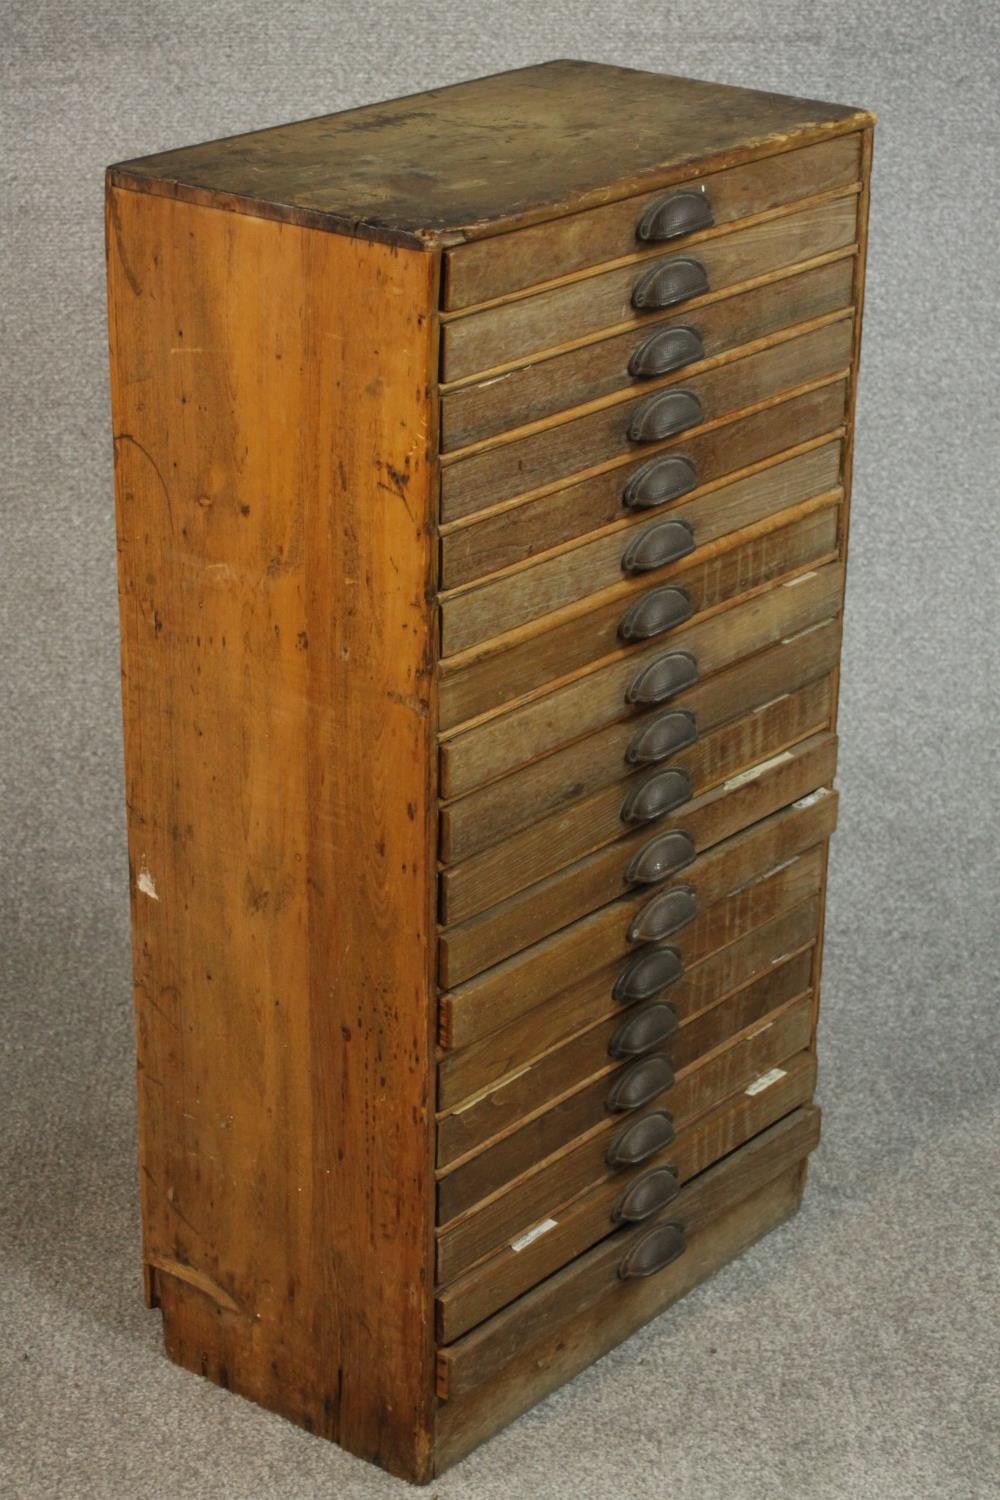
483	461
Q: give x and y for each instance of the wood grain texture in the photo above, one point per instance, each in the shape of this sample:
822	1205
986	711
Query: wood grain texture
422	170
275	568
730	452
482	271
586	1219
509	331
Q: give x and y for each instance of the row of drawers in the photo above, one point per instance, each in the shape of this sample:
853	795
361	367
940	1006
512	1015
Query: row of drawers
641	582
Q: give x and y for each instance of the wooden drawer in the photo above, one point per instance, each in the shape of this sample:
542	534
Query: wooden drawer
728	451
492	268
537	458
508	332
643	798
571	1228
642	610
553	785
482	409
642	548
569	1147
736	938
526	731
566	1308
639	859
608	1050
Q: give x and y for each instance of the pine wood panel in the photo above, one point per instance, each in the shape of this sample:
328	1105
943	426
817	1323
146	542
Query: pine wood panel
278	753
516	663
479	272
729	452
549	454
577	1225
526	731
552	785
595	563
593	822
512	330
586	372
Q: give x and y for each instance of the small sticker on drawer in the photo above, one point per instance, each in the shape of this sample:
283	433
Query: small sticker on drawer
531	1235
766	1079
755	771
794	582
811	797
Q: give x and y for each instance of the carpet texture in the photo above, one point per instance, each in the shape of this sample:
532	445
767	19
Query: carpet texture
854	1353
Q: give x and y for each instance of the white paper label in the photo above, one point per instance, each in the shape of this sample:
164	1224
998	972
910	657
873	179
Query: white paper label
811	797
529	1238
765	1080
755	771
794	582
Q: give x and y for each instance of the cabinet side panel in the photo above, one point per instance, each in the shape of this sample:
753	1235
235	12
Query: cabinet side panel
271	392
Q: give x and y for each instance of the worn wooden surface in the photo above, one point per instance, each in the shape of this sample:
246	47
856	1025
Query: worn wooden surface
586	1219
423	170
281	816
480	272
554	783
729	452
515	663
507	332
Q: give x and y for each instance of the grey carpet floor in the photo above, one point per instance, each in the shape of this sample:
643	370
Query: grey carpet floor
854	1353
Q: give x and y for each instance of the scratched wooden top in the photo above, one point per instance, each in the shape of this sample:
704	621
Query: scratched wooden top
478	158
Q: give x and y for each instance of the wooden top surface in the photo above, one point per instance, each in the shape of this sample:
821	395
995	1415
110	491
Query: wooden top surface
493	154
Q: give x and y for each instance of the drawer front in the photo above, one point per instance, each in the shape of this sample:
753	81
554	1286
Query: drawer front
495	541
640	860
578	1158
733	940
529	393
550	455
610	1048
495	267
615	690
640	550
555	784
629	1264
643	799
504	334
570	1229
643	610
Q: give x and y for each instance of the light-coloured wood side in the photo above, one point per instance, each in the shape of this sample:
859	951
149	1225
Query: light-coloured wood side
575	1226
276	559
550	454
594	822
519	662
602	366
553	784
512	330
597	697
587	567
516	533
478	272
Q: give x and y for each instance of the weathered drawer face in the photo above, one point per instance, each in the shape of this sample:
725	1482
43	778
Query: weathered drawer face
635	1269
643	610
617	1045
567	980
493	268
639	551
643	799
641	860
532	392
634	292
572	1147
599	1211
555	784
618	430
500	540
647	677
